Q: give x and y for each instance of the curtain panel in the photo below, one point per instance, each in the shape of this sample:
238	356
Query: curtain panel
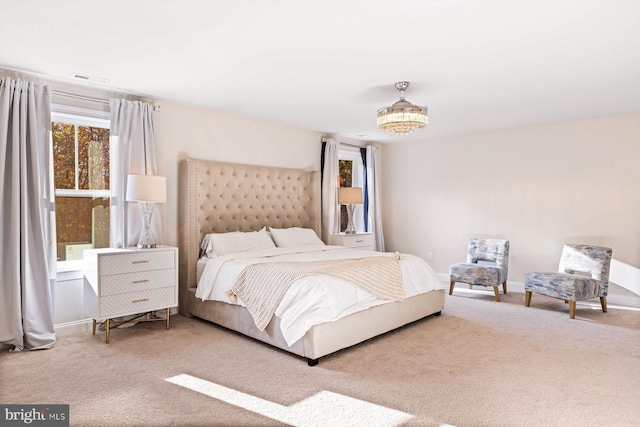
132	152
365	190
373	195
330	184
27	217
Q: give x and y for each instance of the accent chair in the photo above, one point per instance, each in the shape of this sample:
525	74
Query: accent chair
583	274
487	265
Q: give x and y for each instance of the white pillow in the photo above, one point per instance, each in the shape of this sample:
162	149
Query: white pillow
216	244
294	236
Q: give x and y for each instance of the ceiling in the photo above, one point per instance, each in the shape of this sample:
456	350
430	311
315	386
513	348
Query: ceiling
328	66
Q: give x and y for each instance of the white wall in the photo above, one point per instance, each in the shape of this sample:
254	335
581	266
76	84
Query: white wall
539	187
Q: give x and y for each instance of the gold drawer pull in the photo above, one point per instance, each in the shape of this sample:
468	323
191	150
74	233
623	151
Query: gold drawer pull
140	281
359	241
144	261
140	300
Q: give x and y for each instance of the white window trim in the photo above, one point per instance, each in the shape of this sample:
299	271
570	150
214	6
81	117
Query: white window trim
82	193
82	117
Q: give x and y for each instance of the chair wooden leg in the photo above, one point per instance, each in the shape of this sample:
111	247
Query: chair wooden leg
504	287
451	288
572	309
603	303
527	299
495	291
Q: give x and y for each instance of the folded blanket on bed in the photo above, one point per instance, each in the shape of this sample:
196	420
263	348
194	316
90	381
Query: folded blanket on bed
262	286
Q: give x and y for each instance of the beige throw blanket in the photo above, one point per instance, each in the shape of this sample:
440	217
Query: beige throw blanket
263	286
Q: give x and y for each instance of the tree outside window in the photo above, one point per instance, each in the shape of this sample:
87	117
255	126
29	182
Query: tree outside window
345	178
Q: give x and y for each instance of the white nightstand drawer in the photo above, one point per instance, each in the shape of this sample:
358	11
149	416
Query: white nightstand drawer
357	240
140	281
137	302
134	261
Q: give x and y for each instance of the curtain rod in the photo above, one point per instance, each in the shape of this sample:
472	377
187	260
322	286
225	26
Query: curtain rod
82	97
155	108
344	143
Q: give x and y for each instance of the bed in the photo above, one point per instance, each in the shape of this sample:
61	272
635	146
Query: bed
218	197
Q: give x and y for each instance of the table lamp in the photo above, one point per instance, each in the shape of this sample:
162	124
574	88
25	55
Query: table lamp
350	196
147	190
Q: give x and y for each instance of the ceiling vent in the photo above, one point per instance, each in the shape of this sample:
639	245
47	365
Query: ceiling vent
87	78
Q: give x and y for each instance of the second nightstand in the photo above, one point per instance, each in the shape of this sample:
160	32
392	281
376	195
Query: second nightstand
363	241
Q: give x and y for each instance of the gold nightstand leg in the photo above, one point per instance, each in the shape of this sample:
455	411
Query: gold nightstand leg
107	336
94	326
168	318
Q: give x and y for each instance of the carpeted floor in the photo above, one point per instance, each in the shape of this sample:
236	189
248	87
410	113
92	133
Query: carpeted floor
481	363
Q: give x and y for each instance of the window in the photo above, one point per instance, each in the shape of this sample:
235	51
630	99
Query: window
81	170
350	174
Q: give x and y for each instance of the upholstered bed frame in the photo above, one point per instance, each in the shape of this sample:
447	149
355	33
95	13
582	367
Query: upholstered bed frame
221	197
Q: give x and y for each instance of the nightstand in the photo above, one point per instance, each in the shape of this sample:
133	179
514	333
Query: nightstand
363	241
130	281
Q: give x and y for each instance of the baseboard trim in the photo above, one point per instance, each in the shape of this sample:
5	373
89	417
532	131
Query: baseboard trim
69	328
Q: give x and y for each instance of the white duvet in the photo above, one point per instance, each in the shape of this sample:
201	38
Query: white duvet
314	299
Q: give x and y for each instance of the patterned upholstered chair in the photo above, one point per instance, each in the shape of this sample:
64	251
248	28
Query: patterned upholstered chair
583	274
487	265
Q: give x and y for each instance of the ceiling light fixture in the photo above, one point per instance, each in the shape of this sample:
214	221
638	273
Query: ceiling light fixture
402	117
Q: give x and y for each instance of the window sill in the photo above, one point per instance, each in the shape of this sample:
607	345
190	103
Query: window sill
69	270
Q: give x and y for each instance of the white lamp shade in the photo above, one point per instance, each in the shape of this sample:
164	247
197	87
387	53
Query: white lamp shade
146	188
350	196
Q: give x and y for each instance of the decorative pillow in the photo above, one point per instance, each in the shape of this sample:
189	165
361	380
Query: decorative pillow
294	236
216	244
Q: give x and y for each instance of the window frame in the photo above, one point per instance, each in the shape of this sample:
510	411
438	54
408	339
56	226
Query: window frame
357	180
80	117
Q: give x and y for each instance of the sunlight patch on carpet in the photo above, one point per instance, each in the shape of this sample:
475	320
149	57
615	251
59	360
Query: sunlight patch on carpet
324	408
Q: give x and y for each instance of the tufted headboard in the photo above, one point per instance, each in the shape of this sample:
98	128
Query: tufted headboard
219	197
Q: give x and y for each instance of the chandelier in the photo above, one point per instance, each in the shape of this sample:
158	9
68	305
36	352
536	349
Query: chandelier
402	117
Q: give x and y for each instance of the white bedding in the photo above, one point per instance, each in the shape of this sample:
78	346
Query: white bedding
312	300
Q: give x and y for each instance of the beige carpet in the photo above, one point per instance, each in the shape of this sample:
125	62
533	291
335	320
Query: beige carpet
481	363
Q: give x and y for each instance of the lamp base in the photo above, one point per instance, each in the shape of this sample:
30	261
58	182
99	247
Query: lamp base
146	240
351	228
146	245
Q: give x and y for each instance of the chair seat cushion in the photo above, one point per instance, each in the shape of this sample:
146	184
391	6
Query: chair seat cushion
476	274
570	287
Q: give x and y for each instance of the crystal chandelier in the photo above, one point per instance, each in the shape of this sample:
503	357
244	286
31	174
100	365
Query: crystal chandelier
402	117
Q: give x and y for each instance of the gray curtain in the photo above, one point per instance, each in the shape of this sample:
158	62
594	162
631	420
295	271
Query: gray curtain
132	152
330	186
373	191
27	217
